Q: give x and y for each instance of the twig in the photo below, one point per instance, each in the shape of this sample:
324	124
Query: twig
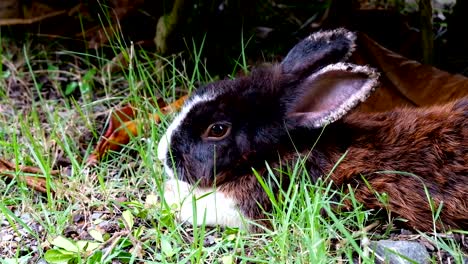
366	229
167	24
113	241
427	40
363	232
28	21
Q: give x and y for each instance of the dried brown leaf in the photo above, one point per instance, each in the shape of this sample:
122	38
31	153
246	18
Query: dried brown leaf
37	183
404	81
123	126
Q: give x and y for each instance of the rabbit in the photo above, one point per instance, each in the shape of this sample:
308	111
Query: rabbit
303	107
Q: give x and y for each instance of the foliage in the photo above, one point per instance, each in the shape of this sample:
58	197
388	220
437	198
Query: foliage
54	105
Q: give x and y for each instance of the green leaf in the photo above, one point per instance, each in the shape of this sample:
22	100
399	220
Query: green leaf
59	256
71	87
151	201
8	261
6	74
166	247
20	260
87	245
106	236
231	237
65	243
85	88
125	242
89	75
96	235
98	221
139	231
128	218
229	259
124	257
95	258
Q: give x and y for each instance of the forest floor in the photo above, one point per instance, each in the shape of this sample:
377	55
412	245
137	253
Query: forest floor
54	106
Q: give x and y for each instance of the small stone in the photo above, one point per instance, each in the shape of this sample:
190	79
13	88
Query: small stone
209	241
78	218
388	251
38	228
109	226
26	217
6	237
96	215
405	232
41	261
22	232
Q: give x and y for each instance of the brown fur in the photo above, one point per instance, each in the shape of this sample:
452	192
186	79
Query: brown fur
431	143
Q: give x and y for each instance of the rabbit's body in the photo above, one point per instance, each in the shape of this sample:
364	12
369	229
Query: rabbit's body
275	115
386	148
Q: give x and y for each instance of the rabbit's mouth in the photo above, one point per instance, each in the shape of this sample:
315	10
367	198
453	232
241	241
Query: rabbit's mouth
194	172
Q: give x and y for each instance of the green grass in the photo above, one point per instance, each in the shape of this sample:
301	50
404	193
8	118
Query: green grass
112	213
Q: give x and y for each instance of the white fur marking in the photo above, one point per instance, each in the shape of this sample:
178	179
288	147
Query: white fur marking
165	141
212	207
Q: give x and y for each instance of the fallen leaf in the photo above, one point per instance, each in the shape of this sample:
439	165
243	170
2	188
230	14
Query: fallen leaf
37	183
123	126
405	82
151	201
129	219
65	243
87	246
229	259
166	247
96	234
58	256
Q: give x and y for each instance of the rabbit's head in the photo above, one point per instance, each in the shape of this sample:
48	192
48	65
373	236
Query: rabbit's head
228	127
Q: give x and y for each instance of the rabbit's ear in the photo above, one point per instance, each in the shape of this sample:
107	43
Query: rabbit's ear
330	93
319	49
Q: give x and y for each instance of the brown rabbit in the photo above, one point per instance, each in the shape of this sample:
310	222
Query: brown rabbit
229	127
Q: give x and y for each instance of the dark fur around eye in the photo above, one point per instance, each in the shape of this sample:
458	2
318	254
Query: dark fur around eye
228	134
217	131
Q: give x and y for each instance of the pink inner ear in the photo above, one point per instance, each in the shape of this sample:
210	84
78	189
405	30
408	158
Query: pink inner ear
328	91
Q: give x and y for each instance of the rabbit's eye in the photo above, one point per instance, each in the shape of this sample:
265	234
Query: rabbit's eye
217	131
